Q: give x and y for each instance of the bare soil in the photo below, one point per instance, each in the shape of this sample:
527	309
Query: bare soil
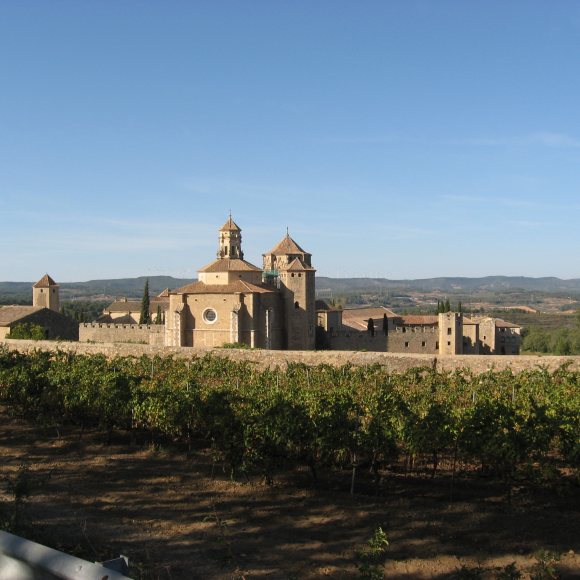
175	515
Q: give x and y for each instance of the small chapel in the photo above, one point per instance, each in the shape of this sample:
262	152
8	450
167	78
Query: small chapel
234	301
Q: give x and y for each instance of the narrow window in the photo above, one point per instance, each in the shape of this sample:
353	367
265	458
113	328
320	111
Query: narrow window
448	331
423	343
296	304
406	345
448	343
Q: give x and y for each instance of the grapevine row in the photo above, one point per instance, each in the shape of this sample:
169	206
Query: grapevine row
267	420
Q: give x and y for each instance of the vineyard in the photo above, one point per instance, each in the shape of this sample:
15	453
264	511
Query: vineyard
262	422
210	468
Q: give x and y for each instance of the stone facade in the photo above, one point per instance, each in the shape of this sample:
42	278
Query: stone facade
234	301
123	311
130	333
416	340
450	333
45	294
446	334
499	337
44	312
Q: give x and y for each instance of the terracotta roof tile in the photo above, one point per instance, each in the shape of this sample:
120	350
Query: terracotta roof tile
239	286
230	226
298	266
45	282
286	246
230	265
135	305
11	314
419	320
499	323
357	318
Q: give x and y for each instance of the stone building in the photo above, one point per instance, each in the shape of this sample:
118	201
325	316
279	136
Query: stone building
380	329
124	311
234	301
44	312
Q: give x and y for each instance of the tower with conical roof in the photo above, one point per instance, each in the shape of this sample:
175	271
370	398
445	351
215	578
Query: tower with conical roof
45	294
289	267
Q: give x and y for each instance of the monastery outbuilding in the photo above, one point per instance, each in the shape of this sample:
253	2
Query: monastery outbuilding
44	312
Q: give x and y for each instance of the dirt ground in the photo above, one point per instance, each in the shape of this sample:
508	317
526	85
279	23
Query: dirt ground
161	507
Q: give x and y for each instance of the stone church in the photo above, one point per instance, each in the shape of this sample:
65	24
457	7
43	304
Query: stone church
234	301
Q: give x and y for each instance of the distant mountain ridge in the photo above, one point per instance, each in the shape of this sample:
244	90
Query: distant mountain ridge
133	287
452	284
128	287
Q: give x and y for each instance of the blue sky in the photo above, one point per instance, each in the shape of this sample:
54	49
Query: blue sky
399	139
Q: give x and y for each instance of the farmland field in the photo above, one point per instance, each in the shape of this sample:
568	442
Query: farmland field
213	469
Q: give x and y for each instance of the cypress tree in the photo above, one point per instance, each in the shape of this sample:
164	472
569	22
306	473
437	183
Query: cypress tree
145	318
385	325
371	327
460	307
158	317
447	306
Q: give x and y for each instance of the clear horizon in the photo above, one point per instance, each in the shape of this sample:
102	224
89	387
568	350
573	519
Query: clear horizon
400	140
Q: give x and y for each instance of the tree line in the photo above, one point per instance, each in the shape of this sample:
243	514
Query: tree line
559	341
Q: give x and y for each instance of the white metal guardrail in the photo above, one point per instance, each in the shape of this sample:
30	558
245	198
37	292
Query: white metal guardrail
21	559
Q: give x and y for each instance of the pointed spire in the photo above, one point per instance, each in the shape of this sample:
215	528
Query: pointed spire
230	225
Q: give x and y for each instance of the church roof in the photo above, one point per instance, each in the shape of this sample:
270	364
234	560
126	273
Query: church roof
287	246
239	286
45	282
230	226
164	294
297	266
11	314
230	265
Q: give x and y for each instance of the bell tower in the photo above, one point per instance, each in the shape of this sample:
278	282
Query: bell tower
230	241
290	268
45	294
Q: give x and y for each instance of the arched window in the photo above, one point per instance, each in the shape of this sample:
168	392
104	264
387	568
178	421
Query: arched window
296	305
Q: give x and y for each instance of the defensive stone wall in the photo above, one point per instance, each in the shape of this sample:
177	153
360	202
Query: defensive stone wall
396	362
415	340
123	333
358	340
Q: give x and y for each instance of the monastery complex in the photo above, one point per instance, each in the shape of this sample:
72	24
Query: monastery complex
273	307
